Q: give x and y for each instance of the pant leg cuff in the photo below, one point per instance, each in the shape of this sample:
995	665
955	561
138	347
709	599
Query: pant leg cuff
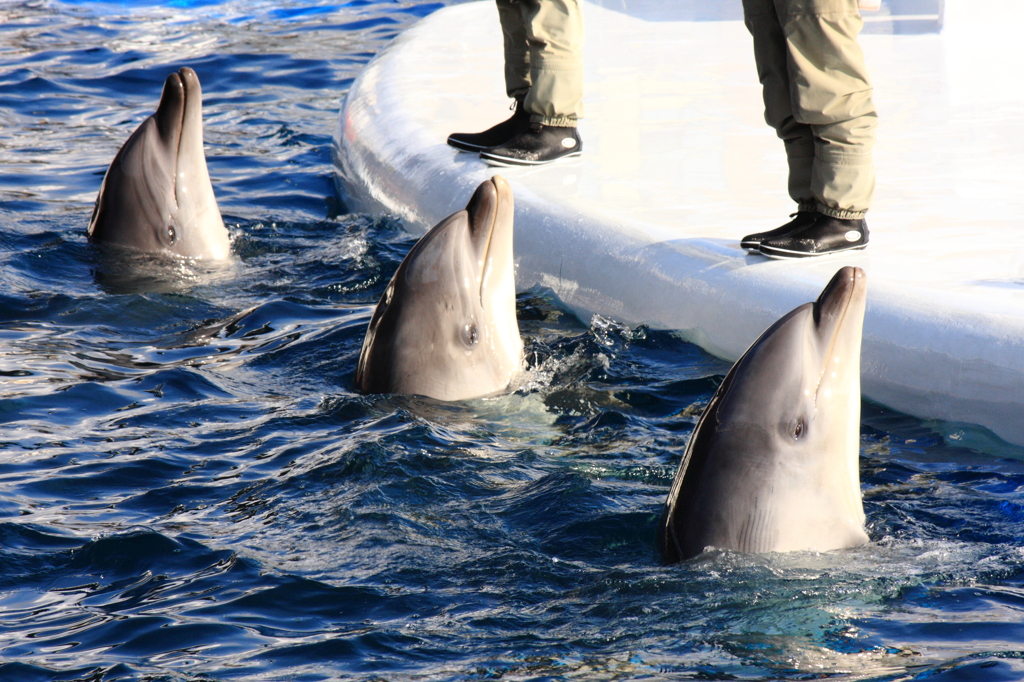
554	121
841	213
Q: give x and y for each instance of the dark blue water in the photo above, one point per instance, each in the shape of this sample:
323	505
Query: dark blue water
191	490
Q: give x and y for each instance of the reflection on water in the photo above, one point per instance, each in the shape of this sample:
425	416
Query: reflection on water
191	490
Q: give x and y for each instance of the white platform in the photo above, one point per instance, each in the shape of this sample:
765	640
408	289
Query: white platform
678	164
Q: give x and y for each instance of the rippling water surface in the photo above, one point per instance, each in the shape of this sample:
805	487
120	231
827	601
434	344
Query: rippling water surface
190	489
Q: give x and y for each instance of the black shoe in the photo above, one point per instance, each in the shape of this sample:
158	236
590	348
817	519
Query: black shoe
500	134
539	145
825	235
800	219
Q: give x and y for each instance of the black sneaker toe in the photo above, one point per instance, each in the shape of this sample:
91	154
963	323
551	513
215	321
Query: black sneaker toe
800	220
498	134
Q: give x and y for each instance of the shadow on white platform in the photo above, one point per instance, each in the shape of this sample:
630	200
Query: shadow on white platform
678	164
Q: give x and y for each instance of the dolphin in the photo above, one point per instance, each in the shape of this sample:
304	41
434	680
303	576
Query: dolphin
772	465
156	196
446	326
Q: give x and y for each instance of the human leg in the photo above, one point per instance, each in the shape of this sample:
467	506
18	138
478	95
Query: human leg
554	34
517	83
516	44
771	58
765	27
832	94
829	96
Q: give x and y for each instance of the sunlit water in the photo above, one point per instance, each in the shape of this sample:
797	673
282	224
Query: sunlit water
191	490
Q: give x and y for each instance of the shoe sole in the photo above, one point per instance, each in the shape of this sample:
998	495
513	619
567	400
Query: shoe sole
466	147
784	254
502	162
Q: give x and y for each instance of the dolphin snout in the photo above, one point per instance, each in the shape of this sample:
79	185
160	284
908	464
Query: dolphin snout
490	225
482	208
180	101
193	97
188	78
848	285
171	110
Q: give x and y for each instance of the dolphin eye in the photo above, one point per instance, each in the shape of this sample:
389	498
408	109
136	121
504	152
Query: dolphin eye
798	429
470	335
172	234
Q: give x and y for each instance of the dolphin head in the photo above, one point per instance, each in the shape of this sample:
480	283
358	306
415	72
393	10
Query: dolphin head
156	196
773	462
446	325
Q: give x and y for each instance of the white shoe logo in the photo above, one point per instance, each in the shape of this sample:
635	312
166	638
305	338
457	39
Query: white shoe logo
852	236
568	142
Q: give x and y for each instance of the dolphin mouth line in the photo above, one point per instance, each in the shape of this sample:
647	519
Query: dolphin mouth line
187	101
487	248
831	347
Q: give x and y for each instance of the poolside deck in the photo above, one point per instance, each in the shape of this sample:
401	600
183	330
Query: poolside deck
678	165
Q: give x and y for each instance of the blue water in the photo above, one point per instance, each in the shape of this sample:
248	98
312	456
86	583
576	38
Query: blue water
191	490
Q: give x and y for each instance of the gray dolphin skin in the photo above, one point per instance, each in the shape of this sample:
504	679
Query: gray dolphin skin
772	465
156	196
446	325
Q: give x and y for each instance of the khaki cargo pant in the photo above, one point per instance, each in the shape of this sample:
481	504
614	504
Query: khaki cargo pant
544	58
817	96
